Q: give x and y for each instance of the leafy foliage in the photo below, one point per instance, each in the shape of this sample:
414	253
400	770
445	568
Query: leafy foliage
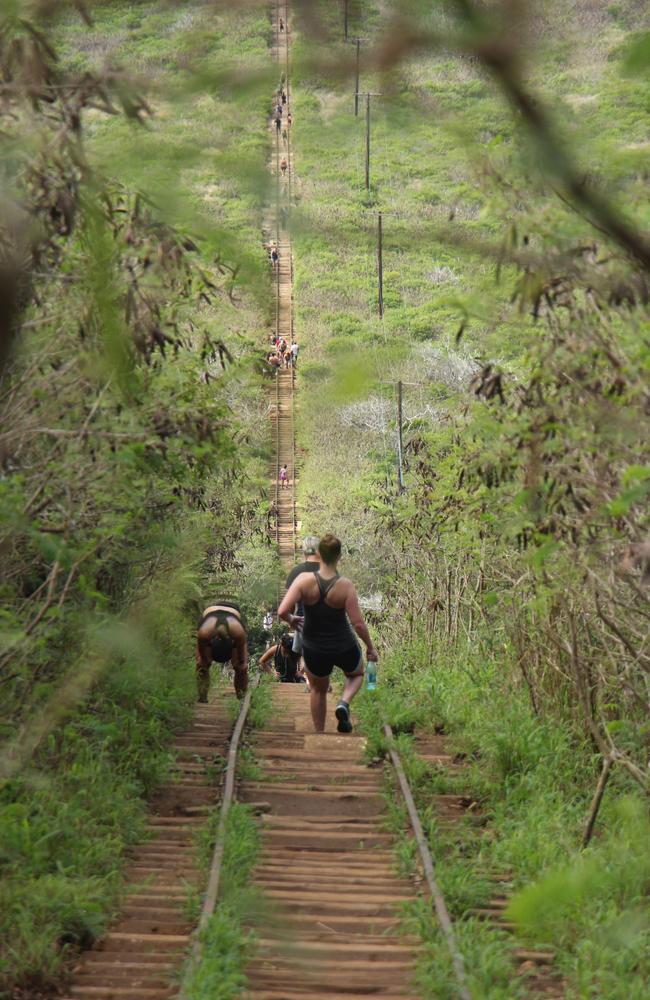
133	451
512	569
227	945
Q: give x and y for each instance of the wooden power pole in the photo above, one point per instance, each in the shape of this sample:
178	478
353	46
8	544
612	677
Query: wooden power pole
380	266
367	97
400	427
400	453
367	142
356	79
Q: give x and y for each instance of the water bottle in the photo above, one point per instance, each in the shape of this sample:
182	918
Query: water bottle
371	675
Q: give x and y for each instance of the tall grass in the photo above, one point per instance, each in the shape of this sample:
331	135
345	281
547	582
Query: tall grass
533	782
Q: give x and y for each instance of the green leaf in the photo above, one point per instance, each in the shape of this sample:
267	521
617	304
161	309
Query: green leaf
621	504
541	554
635	474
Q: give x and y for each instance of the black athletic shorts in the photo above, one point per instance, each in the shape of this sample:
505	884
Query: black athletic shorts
322	664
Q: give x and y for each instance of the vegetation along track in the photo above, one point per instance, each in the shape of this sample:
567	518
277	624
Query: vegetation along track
326	866
146	946
459	818
277	230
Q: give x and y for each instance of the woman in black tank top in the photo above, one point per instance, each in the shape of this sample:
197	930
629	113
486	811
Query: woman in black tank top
326	629
331	619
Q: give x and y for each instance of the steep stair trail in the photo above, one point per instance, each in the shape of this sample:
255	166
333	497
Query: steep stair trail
326	865
277	231
146	946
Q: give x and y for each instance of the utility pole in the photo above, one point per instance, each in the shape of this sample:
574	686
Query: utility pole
380	267
367	142
368	96
345	19
400	422
356	80
400	464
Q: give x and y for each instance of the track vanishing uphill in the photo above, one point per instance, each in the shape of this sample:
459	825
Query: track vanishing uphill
326	866
276	230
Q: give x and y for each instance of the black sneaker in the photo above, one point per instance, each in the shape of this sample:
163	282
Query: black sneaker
342	713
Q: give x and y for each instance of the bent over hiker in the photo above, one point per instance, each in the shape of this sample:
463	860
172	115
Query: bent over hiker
285	661
331	617
221	638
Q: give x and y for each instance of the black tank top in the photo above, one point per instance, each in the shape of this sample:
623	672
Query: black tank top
327	629
286	664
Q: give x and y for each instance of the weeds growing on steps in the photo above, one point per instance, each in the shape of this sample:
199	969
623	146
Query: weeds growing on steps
262	704
247	767
261	708
227	946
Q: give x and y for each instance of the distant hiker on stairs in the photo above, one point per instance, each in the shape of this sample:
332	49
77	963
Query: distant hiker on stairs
221	638
332	616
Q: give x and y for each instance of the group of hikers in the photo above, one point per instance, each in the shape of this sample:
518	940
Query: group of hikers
283	354
282	124
322	611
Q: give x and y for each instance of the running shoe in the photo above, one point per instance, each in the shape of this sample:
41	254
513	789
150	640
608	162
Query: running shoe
342	713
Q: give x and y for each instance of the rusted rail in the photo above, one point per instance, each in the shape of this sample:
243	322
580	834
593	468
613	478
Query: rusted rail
212	890
439	904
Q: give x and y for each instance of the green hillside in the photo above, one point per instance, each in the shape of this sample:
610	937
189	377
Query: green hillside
502	554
